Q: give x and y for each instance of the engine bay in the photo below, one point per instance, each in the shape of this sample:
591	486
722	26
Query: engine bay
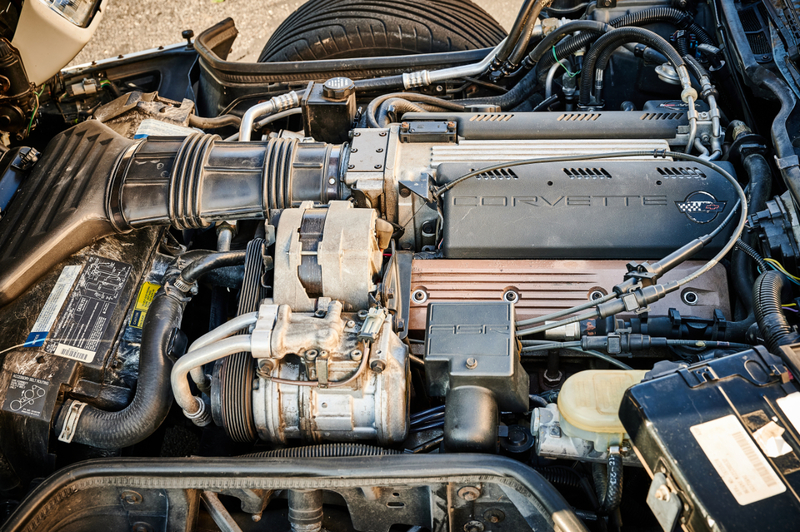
475	290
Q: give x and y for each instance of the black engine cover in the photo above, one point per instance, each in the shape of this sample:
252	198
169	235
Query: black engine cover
587	209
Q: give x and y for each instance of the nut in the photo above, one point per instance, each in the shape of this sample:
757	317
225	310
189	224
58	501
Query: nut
469	493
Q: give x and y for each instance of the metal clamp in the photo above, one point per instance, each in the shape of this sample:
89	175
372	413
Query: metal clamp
261	337
71	423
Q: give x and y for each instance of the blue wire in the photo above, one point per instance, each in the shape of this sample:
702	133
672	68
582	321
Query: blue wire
779	271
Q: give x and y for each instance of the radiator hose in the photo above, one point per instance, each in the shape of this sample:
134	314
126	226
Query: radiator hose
769	314
325	450
153	397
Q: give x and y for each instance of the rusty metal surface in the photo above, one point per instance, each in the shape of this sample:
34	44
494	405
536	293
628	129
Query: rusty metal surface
545	286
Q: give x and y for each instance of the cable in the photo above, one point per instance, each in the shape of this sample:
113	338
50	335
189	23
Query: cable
597	354
372	108
560	313
777	266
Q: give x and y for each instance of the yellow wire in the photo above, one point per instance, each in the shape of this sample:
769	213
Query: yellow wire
781	268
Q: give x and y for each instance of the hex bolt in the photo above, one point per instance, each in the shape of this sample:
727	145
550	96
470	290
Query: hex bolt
351	323
377	366
311	355
469	493
356	354
663	493
471	363
131	497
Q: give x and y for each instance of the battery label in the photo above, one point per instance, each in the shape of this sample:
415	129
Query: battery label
52	306
143	300
737	460
86	315
26	396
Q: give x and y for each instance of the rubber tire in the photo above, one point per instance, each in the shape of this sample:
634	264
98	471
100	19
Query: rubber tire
340	29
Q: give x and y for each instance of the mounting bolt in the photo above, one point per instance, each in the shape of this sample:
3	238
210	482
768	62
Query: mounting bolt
471	363
378	166
469	493
351	323
311	355
473	526
356	355
256	517
379	150
350	166
377	366
131	497
382	134
404	126
663	493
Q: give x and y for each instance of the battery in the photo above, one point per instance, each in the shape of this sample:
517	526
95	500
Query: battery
720	440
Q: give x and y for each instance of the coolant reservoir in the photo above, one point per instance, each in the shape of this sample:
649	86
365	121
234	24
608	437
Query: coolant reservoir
589	405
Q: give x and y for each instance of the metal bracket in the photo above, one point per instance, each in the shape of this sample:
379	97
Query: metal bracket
261	337
71	423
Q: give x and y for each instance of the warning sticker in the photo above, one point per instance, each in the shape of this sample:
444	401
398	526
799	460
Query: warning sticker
26	396
143	300
737	460
52	306
86	315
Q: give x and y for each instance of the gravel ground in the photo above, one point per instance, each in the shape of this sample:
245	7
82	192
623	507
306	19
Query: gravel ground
133	25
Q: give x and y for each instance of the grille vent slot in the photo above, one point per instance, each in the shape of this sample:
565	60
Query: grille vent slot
587	173
491	118
680	172
579	117
499	174
660	116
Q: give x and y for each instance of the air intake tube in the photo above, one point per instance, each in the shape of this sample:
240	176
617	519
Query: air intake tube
91	183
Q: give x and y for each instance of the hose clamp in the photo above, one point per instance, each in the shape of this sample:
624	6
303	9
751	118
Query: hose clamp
71	422
284	102
416	79
183	286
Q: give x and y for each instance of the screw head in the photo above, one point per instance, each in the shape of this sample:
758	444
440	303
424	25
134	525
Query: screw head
471	363
377	366
351	323
331	181
350	166
356	355
469	493
378	166
473	526
663	493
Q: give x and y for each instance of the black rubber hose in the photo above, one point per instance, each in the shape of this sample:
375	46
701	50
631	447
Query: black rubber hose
410	96
385	83
516	30
696	68
546	44
614	39
759	191
199	267
399	106
525	37
681	42
214	123
769	314
608	483
153	397
669	15
326	450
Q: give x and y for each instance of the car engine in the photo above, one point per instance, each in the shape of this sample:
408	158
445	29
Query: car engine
461	290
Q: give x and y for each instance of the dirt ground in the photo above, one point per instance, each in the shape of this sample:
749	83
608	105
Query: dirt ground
133	25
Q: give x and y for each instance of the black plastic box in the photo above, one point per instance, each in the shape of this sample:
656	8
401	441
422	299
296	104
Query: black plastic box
721	440
473	344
